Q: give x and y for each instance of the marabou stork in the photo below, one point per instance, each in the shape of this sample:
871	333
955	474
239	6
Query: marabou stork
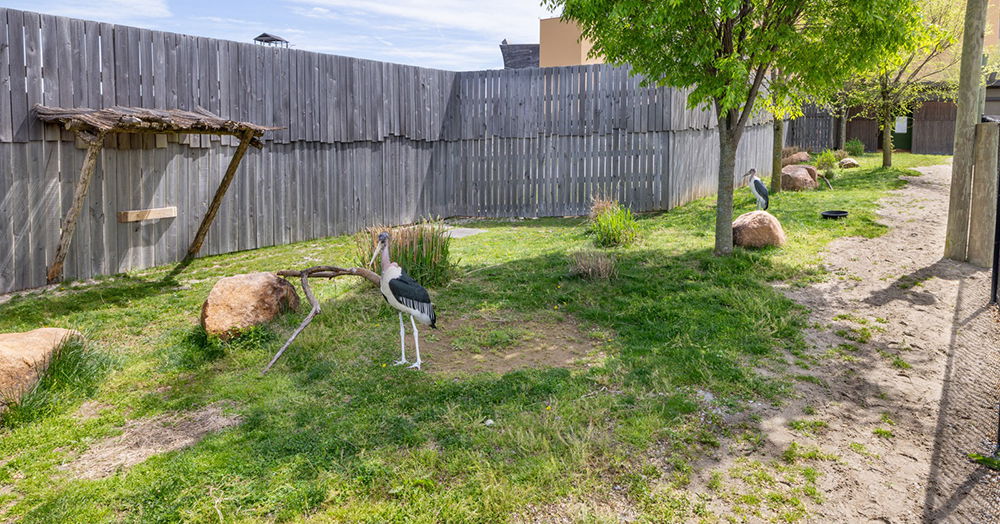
406	296
758	189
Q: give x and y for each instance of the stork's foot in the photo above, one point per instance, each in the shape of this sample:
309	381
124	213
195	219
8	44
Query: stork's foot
400	362
415	365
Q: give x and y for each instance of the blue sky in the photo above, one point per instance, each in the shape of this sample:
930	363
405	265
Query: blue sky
458	35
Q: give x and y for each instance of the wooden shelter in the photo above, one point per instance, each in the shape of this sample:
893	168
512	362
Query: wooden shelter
92	125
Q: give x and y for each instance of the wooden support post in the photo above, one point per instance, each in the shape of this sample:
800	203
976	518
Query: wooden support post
984	195
79	195
213	208
956	244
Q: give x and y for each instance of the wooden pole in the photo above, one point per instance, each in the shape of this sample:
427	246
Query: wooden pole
69	221
984	196
957	237
778	129
213	208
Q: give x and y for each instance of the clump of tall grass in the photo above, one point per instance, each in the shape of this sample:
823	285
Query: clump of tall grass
423	250
74	373
599	204
612	224
826	160
855	147
595	265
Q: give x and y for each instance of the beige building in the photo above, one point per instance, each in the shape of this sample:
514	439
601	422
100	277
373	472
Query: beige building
560	44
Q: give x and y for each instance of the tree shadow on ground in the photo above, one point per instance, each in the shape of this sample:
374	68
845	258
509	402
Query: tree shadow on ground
31	309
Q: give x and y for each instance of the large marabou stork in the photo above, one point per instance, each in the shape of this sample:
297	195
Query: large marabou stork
758	189
405	295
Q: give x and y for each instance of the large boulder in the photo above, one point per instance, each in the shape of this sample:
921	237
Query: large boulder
757	229
798	178
25	356
848	163
796	158
238	302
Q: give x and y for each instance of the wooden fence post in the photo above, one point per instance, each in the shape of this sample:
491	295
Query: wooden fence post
984	195
69	221
213	208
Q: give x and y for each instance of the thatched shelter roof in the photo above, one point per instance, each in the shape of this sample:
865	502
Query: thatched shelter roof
142	120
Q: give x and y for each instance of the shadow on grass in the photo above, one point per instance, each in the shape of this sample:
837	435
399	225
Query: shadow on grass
113	293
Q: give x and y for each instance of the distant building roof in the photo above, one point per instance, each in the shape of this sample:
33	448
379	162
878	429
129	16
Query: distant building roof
267	38
519	56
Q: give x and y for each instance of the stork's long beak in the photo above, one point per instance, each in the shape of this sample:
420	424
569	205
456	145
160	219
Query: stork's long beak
378	249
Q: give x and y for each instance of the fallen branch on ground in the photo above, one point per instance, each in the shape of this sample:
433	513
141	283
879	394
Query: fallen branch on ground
316	272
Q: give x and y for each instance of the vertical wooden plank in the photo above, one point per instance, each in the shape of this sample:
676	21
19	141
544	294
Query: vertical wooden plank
21	253
7	205
33	63
6	129
18	78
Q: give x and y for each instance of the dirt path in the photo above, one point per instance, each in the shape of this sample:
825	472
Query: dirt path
902	380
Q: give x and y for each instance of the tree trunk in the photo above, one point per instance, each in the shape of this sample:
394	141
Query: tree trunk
779	134
887	144
728	140
842	131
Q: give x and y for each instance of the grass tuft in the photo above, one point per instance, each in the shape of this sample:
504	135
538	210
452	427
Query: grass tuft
73	374
614	227
422	250
592	264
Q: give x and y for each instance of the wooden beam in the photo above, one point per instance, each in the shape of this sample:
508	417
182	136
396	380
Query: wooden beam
138	215
956	244
983	210
69	221
213	208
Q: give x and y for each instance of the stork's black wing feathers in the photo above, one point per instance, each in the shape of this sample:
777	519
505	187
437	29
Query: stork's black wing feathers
761	190
411	294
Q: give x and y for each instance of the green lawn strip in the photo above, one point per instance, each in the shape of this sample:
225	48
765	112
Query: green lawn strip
333	432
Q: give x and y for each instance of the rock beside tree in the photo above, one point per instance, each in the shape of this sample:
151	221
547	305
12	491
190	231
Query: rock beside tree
25	356
757	229
241	301
798	178
795	158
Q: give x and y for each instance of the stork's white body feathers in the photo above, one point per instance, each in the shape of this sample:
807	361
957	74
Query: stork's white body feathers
421	314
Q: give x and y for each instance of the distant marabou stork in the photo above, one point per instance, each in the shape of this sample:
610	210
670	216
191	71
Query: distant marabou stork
406	296
758	189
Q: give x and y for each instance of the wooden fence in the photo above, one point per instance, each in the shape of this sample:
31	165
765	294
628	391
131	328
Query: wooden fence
364	142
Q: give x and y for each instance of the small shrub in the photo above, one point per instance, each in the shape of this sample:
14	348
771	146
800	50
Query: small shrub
593	265
423	250
840	154
826	160
829	174
614	227
599	205
73	374
789	151
854	147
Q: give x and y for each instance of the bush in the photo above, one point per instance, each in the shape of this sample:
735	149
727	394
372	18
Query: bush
826	160
855	147
840	154
593	265
615	226
73	374
423	250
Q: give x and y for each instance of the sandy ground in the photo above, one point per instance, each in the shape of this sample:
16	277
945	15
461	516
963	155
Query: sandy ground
924	365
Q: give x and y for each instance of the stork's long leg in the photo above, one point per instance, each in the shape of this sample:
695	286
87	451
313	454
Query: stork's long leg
416	342
402	342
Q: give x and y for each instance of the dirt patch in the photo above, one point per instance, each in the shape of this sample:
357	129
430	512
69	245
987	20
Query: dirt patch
898	384
89	410
142	439
477	345
605	507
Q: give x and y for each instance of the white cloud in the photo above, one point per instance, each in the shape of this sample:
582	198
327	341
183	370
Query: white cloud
119	11
515	20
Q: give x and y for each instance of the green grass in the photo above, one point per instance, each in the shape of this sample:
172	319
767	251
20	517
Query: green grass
333	434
